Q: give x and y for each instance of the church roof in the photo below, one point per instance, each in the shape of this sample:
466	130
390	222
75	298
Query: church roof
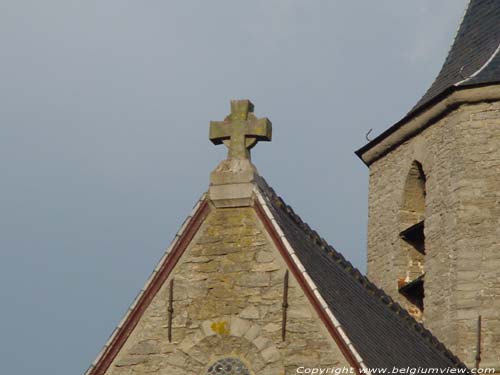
381	332
474	56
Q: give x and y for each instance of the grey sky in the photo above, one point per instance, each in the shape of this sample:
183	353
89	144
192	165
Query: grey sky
104	112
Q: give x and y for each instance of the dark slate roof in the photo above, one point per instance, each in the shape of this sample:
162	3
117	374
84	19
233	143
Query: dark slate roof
474	57
383	333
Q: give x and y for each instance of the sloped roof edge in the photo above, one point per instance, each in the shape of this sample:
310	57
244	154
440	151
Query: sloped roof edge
428	347
155	281
324	311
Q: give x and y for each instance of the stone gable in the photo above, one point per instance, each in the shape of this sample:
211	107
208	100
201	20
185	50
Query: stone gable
227	301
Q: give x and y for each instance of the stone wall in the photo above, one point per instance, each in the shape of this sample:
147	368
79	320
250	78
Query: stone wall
228	289
460	155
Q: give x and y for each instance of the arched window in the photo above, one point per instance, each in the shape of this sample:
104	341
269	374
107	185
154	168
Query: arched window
228	366
412	223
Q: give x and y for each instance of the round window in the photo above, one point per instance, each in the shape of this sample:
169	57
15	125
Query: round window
228	366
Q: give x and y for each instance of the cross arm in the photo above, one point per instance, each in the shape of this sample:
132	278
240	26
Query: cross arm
219	131
261	129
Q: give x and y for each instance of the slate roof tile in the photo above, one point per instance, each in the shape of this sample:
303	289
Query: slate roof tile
474	57
383	332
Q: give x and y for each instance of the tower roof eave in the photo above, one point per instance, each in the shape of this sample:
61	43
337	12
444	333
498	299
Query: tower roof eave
473	59
428	114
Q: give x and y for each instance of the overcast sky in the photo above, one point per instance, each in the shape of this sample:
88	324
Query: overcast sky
104	113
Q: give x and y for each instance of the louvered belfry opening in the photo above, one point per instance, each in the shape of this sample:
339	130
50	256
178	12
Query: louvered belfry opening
412	240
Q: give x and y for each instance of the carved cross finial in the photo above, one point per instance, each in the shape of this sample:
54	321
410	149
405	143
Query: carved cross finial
241	130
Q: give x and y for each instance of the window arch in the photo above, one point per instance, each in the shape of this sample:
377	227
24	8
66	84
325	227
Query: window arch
412	223
228	366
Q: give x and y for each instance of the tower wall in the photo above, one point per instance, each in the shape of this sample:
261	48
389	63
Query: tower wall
460	157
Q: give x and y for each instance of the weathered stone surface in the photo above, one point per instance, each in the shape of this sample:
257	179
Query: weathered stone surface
231	183
131	360
262	342
264	257
271	354
250	312
461	162
272	327
240	130
255	279
145	347
252	332
225	304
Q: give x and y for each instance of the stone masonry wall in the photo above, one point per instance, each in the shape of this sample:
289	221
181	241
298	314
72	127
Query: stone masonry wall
228	289
460	155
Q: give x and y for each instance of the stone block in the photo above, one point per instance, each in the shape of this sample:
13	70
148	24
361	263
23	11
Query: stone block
262	342
254	279
250	312
252	333
232	195
239	326
271	354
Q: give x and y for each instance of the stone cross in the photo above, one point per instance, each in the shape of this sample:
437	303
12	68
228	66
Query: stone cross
241	130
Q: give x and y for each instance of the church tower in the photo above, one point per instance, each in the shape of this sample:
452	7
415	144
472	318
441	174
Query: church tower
434	198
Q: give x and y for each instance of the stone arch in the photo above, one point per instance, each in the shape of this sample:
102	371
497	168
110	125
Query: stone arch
233	337
411	257
413	203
